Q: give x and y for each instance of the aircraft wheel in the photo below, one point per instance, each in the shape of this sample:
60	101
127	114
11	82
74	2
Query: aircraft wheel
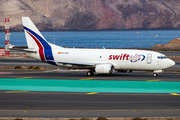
90	73
155	74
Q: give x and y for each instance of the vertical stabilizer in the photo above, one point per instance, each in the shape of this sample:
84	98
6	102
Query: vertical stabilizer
36	41
34	38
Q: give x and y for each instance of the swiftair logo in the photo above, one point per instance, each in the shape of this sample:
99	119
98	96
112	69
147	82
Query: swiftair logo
132	58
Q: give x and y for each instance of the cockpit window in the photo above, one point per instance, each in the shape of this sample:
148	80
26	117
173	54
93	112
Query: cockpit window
161	57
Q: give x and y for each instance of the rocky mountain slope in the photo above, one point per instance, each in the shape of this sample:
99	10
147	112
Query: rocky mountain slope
166	47
92	14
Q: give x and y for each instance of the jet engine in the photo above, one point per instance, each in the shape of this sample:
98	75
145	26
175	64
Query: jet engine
104	69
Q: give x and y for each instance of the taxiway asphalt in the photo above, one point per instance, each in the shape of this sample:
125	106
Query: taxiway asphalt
76	105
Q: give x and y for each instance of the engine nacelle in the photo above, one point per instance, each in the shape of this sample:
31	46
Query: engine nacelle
104	69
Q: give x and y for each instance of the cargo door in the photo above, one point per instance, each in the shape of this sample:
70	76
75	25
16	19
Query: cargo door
149	58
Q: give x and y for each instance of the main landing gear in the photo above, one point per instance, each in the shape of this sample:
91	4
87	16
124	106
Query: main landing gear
90	73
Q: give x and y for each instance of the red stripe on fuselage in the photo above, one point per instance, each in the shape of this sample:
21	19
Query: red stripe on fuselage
41	49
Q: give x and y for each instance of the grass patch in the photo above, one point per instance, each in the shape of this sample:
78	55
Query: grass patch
85	118
18	119
102	118
31	67
169	119
38	68
7	68
19	67
137	118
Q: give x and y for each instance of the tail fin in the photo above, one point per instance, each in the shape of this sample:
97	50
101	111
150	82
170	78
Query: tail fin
34	38
36	42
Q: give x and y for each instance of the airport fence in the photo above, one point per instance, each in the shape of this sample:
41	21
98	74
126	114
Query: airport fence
2	52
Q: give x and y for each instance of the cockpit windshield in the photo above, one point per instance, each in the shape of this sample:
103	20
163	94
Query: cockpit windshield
162	57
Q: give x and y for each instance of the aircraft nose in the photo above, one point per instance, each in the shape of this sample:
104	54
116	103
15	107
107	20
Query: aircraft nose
167	63
171	63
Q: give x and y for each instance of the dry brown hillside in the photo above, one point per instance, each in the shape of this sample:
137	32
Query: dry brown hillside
92	14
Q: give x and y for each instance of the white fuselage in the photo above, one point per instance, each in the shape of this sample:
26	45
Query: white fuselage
122	59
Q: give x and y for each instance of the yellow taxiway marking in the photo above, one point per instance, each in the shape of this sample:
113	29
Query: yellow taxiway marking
87	79
15	91
153	80
24	77
92	93
174	94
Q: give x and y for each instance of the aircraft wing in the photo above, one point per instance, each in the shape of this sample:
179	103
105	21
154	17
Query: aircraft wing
75	63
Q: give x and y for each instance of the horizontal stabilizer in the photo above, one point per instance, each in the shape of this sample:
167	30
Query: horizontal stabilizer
25	50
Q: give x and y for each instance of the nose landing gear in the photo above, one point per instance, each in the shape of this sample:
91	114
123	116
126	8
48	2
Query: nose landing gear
155	74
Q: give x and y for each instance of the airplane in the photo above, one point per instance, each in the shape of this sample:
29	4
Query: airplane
99	61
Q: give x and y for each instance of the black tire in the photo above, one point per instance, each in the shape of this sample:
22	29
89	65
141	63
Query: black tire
155	74
90	73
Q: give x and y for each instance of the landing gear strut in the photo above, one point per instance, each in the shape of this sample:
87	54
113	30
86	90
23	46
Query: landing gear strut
90	73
